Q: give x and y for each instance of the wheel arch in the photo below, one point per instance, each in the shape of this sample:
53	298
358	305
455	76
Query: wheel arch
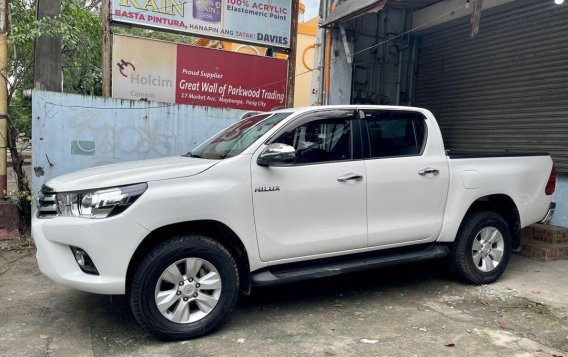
503	205
211	228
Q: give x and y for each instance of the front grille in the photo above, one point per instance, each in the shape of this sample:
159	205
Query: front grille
46	205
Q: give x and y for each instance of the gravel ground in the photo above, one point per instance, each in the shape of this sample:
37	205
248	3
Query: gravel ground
411	310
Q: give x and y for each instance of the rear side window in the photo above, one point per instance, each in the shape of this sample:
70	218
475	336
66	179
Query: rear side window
395	133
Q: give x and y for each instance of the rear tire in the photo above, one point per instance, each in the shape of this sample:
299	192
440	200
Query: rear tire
186	287
482	248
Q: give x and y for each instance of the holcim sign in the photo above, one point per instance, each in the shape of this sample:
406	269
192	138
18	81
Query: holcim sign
265	22
174	73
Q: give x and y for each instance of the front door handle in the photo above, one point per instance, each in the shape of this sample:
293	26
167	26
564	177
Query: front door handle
350	177
427	171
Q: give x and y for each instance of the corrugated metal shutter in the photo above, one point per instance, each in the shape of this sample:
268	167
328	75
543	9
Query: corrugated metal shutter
505	90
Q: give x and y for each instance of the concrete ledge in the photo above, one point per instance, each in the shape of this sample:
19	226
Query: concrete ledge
9	218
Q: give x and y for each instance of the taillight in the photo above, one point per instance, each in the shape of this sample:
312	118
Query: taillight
551	184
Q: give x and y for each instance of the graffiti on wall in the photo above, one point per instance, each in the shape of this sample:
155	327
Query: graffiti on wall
92	136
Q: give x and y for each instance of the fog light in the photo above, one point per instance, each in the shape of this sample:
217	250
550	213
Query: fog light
79	257
84	261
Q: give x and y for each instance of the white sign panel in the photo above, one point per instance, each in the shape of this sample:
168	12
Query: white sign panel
143	69
263	22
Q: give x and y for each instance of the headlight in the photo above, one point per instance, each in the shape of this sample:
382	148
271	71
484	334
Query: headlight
98	203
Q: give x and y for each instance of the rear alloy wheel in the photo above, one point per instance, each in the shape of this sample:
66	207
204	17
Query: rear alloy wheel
186	287
482	248
487	249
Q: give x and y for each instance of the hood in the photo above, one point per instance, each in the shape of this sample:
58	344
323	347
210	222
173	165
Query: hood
130	173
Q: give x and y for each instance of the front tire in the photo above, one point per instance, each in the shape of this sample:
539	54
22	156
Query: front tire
186	287
482	248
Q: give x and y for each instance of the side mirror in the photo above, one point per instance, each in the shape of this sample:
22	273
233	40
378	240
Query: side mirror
277	155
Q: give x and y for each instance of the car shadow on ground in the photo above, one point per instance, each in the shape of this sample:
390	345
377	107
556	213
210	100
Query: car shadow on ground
112	321
368	282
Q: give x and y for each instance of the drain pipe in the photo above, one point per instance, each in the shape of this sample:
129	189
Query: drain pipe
323	46
328	42
399	70
328	64
398	76
412	73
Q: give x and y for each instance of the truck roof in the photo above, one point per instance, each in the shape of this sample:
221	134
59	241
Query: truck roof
348	106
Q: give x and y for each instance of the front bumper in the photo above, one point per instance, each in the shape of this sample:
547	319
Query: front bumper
110	243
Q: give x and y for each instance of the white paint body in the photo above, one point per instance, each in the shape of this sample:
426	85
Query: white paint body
312	216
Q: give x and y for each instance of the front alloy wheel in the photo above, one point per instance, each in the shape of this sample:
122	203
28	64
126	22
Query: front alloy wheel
185	287
188	290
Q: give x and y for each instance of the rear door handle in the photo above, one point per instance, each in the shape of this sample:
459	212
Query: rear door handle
427	171
350	177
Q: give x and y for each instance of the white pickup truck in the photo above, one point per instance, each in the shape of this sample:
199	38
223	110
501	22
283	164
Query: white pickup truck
283	196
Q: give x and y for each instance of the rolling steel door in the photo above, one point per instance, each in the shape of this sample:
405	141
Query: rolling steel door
505	90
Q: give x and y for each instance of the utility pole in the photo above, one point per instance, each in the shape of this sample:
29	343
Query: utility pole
8	211
47	51
292	54
105	15
3	98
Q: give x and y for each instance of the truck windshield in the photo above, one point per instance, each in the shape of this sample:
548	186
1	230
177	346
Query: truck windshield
239	136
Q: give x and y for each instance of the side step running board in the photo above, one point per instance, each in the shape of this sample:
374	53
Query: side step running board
282	275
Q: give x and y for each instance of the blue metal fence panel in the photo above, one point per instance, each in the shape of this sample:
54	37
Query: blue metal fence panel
73	132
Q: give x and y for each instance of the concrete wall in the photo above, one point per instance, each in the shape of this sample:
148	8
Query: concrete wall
340	71
560	217
305	56
73	132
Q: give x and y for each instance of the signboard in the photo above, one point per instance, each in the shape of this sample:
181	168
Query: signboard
173	73
264	22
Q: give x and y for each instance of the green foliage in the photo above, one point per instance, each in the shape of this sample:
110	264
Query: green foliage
20	112
27	241
20	63
82	47
79	28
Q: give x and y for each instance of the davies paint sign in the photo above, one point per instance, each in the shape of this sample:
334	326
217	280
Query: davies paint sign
264	22
173	73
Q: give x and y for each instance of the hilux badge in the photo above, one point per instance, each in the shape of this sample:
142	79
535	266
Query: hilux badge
267	189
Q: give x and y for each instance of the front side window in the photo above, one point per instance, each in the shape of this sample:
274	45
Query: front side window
321	140
395	133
